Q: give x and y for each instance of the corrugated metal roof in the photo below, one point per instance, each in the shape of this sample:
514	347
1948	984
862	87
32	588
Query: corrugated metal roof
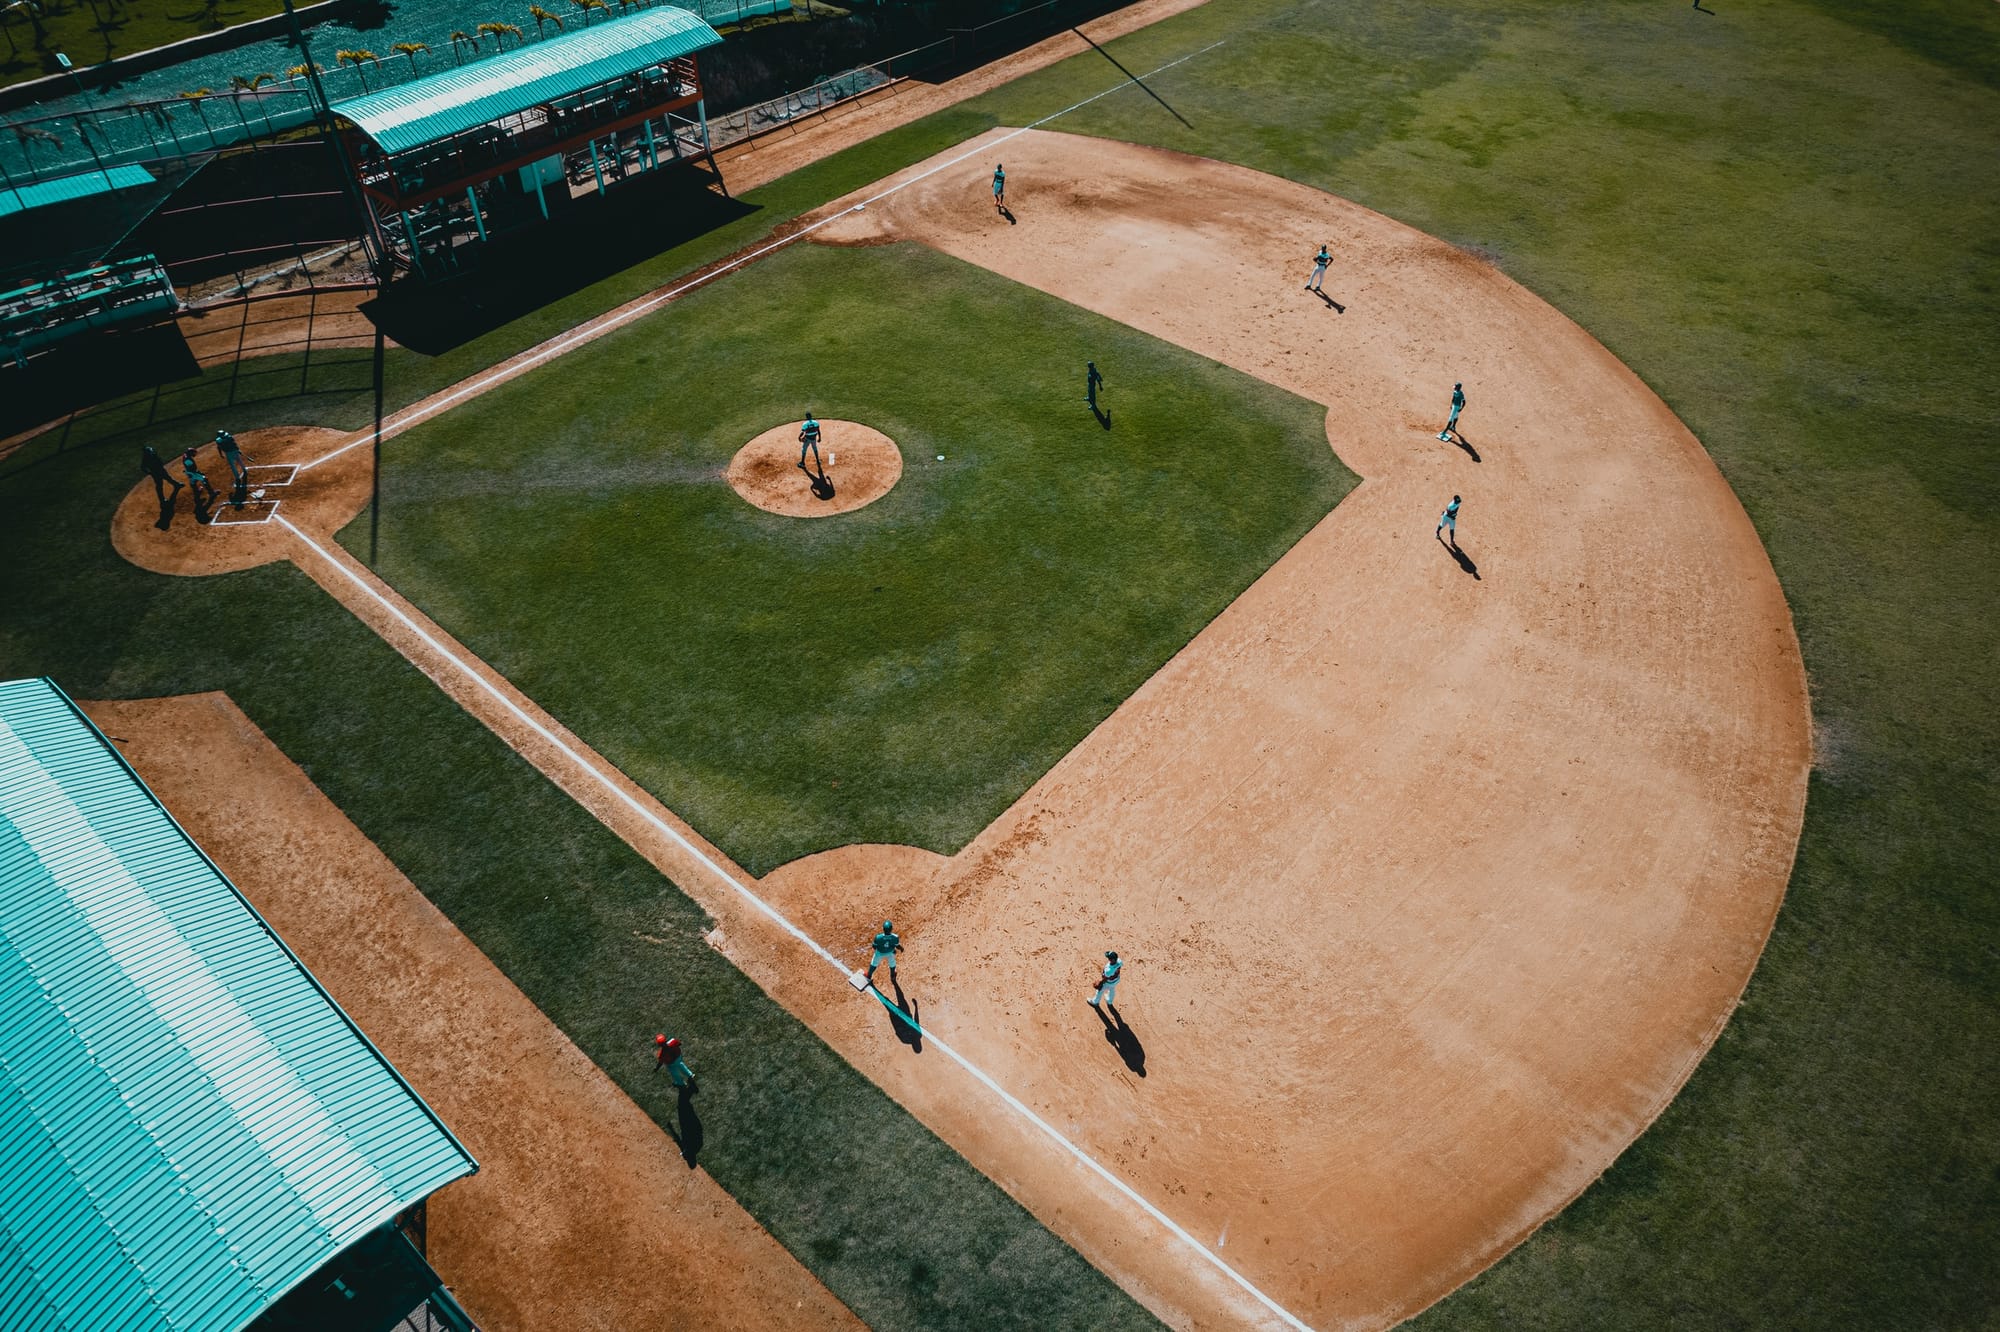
437	105
189	1125
18	199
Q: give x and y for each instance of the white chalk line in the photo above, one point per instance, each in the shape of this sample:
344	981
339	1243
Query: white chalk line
778	918
617	319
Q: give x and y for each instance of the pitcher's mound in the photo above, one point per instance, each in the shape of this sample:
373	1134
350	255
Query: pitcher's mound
859	465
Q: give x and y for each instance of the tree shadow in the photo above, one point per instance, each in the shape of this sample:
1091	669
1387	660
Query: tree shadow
904	1018
1465	444
1123	1039
1464	560
1338	308
688	1132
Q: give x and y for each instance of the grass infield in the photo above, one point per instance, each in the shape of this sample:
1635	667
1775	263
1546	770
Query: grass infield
898	674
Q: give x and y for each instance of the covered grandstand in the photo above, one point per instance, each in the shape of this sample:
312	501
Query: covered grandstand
193	1135
446	161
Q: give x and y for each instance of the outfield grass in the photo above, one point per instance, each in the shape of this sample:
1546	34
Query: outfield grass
899	674
1786	218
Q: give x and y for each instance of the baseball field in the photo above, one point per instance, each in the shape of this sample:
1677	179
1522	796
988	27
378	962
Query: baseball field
1582	922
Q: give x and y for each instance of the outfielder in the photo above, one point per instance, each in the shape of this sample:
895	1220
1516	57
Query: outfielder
1107	984
1320	261
1457	406
886	945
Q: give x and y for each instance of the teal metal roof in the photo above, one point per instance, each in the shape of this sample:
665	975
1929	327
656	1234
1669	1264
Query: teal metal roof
189	1125
18	199
437	105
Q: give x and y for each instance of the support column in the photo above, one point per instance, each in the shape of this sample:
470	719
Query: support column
652	154
416	250
595	169
477	220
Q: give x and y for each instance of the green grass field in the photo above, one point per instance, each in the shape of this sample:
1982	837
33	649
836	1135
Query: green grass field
900	674
1784	216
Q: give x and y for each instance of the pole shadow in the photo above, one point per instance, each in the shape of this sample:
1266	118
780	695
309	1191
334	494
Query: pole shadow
1122	1038
1338	308
1134	77
688	1132
1464	560
904	1019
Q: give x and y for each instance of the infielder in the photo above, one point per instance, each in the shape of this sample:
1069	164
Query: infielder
999	187
667	1053
1320	261
887	945
1448	521
1457	406
1107	984
809	441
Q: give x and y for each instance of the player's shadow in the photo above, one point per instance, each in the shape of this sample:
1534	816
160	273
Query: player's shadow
1465	444
1123	1039
910	1032
1008	213
202	513
1103	416
688	1125
167	505
816	477
1338	308
1464	560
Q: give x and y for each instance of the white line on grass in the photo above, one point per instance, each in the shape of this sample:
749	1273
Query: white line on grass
742	890
582	333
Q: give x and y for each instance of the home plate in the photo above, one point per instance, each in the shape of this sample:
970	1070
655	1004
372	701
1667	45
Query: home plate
859	980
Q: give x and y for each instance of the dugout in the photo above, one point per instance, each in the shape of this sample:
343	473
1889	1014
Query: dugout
193	1135
448	161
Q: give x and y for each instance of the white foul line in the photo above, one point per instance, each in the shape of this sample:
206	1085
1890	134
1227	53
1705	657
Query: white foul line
742	890
564	342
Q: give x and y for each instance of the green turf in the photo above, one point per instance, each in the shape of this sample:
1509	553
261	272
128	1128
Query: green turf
891	1219
1787	218
898	674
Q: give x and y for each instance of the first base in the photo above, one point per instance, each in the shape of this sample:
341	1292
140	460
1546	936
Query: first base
858	980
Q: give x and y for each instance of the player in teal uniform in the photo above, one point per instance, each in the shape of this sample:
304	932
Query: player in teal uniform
232	453
999	187
1457	406
1320	261
1448	521
809	441
667	1053
886	944
1107	984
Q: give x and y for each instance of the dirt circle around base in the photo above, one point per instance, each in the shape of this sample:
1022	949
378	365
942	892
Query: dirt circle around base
861	463
170	539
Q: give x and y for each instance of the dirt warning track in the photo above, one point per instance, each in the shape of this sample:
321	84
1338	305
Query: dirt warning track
1435	876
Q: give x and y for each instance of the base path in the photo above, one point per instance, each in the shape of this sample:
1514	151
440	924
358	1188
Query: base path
1434	874
582	1215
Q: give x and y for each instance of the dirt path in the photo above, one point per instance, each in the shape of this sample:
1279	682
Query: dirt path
582	1214
1434	879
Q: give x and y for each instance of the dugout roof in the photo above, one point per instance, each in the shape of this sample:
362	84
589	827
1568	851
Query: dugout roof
440	105
189	1125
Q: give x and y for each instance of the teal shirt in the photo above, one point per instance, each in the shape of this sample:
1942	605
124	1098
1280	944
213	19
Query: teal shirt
886	943
1111	970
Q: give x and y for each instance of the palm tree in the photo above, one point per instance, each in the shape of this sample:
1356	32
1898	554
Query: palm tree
409	51
458	37
301	71
542	17
252	84
354	58
587	5
500	32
